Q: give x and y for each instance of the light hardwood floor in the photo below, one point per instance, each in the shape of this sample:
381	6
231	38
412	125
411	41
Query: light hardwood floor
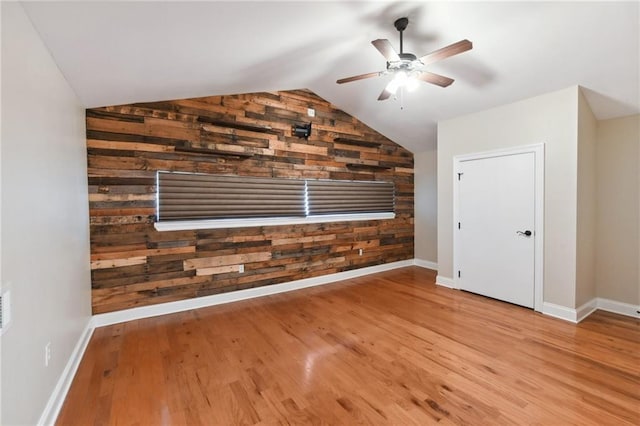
390	348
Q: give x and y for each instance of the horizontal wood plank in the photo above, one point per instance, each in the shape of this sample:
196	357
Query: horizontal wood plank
116	263
215	261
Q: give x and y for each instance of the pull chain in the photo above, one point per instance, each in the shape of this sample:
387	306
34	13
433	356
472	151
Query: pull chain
400	96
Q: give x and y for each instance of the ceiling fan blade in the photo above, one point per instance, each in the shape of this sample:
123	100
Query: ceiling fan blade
445	52
387	92
384	46
359	77
437	79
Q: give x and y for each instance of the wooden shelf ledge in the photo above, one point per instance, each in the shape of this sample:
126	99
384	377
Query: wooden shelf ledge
372	167
357	142
239	126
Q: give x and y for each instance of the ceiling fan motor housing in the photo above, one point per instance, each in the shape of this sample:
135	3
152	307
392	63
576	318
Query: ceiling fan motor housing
407	62
407	56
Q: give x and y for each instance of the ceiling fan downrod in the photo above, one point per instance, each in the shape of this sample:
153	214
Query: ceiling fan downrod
401	25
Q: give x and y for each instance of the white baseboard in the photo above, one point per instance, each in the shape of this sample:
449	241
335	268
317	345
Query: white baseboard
101	320
587	309
559	311
426	264
618	307
582	312
54	404
445	281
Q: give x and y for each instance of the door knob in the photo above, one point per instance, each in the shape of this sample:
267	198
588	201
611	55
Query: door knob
526	233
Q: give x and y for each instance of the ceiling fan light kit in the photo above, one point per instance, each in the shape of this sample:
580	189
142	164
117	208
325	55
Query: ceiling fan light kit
407	69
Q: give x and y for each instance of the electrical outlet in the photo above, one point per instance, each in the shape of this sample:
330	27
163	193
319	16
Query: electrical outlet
47	354
359	252
311	112
241	269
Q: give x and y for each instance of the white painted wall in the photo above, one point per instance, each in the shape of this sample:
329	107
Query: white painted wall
0	223
426	206
45	230
587	204
550	119
618	214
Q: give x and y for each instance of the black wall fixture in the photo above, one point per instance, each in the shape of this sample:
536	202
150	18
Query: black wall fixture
301	130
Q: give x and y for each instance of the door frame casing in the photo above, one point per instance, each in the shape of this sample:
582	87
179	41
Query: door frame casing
538	267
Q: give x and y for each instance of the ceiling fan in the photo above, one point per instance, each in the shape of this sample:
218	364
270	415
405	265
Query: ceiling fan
407	68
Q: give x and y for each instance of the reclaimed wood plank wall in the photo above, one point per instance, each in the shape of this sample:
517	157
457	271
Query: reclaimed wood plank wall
134	265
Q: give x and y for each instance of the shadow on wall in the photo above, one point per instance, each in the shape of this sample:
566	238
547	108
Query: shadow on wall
613	107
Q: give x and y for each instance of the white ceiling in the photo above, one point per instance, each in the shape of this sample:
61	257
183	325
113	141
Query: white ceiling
123	52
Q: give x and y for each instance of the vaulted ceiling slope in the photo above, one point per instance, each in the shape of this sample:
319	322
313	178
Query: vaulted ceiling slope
123	52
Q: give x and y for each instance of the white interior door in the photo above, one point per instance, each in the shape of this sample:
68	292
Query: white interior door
496	215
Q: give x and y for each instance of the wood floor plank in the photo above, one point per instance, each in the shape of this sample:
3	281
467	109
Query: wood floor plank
389	348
